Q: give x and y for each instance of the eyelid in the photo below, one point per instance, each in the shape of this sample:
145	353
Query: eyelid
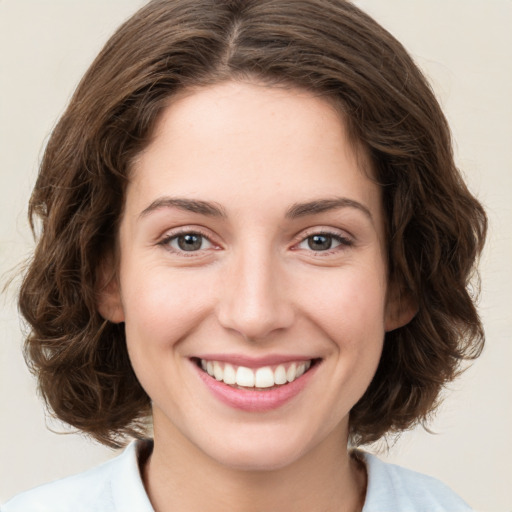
185	230
345	239
324	230
342	236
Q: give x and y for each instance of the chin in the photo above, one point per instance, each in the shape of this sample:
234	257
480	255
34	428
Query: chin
261	451
253	459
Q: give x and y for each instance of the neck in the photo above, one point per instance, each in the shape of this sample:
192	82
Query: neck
178	477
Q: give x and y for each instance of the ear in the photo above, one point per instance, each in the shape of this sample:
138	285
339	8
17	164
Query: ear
108	292
401	308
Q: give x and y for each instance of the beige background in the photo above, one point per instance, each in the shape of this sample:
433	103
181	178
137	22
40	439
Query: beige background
464	46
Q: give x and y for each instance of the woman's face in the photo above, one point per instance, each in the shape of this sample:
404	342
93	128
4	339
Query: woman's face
252	244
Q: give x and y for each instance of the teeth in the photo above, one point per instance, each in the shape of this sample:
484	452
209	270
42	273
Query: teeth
218	372
291	373
264	377
280	375
229	374
245	377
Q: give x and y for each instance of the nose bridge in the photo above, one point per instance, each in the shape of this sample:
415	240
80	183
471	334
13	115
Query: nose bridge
254	302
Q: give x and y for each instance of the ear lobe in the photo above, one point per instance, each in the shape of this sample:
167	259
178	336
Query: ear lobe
401	308
108	296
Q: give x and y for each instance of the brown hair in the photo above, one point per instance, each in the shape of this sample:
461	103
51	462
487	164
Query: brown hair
435	227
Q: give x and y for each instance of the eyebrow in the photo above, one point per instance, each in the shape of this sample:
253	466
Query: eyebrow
298	210
189	205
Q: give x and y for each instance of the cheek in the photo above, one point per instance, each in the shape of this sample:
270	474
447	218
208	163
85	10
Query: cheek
349	305
161	310
162	307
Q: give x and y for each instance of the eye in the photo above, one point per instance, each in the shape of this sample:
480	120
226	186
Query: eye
187	242
320	242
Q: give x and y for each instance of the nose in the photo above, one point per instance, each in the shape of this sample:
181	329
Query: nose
255	301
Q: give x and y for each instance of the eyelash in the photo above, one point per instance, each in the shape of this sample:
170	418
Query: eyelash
343	241
166	241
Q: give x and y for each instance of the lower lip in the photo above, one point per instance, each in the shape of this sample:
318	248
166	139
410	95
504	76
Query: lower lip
256	401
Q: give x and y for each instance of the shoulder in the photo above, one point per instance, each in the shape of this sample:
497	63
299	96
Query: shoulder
392	488
114	486
84	491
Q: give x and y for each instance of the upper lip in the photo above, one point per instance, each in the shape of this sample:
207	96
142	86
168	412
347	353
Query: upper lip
255	362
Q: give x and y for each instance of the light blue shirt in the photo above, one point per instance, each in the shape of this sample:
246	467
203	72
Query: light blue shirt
116	486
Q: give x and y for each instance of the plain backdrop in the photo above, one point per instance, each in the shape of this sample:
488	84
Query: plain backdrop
463	46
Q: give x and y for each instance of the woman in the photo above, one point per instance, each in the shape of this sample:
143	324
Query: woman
253	233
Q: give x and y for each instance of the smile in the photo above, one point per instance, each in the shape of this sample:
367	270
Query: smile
257	378
255	386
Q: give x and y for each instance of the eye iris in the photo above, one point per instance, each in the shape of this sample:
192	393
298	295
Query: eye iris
320	242
190	242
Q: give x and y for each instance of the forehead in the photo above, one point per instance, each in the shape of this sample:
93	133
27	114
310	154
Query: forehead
236	139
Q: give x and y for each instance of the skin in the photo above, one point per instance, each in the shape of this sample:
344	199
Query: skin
253	287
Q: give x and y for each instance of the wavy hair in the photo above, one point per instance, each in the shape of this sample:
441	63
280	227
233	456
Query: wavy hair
435	227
